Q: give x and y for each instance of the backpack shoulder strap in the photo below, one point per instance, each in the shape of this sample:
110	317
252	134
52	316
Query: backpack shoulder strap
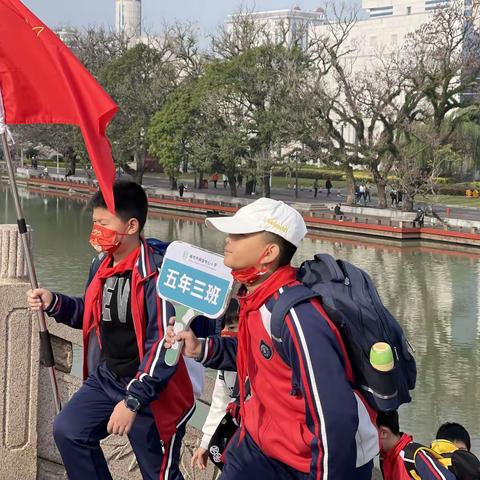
287	299
158	246
156	250
409	453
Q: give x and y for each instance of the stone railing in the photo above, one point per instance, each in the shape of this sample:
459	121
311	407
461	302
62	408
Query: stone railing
19	358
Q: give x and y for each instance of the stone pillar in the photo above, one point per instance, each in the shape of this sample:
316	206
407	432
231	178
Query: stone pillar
19	356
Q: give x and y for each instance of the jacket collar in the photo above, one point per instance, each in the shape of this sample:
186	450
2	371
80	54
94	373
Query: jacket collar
400	445
147	264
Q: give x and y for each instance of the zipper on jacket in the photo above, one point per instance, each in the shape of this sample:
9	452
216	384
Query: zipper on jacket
295	391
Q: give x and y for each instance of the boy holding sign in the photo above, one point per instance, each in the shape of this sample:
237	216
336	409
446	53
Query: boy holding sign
128	389
303	419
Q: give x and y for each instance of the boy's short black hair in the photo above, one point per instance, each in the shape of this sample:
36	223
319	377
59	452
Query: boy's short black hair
231	315
130	201
287	249
389	420
454	432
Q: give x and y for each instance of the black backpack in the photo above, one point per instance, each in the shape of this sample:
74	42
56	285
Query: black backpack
351	301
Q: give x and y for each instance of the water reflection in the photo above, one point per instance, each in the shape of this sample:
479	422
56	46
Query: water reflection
433	292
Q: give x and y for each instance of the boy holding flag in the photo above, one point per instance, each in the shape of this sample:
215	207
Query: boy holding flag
128	389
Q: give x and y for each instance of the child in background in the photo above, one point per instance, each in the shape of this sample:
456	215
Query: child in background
452	442
454	434
225	391
401	458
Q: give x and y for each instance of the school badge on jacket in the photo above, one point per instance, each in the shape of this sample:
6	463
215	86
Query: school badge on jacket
265	350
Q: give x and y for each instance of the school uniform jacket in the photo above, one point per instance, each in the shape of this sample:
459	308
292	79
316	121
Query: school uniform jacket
167	390
306	413
395	466
225	391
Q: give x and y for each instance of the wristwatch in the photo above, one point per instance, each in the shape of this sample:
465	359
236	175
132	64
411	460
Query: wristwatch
132	403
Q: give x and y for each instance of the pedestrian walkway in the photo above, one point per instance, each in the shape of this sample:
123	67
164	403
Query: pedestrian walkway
305	198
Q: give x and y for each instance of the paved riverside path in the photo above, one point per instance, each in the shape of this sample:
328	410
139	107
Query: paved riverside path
306	196
154	180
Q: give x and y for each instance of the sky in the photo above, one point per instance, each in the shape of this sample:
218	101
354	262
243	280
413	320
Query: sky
207	14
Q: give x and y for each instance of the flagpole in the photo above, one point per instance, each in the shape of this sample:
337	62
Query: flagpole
46	351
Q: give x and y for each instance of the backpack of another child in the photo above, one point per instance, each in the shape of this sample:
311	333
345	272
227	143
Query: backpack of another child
461	463
351	301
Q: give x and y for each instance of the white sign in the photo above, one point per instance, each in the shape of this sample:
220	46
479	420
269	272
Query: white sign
196	282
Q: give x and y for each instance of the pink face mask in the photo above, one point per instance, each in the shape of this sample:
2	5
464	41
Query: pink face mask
103	239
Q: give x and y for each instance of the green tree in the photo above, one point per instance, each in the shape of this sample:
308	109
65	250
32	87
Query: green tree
172	131
140	81
247	98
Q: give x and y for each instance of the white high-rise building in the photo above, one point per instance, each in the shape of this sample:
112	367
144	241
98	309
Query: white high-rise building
288	24
128	17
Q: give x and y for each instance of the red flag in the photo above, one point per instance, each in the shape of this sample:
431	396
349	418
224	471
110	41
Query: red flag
41	81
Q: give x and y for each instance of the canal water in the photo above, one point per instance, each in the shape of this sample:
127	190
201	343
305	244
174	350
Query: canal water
433	292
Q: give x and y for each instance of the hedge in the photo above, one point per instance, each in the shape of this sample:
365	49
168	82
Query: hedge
457	188
322	174
334	174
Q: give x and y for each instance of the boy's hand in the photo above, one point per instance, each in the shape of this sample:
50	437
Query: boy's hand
121	420
39	299
192	347
199	458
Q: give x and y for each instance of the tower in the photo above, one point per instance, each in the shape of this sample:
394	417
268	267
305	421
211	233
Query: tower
128	17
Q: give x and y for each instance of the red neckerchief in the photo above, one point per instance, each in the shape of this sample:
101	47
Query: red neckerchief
248	303
392	462
92	312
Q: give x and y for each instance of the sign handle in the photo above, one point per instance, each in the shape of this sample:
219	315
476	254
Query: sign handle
183	318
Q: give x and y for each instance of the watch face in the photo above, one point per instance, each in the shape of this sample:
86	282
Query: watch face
132	403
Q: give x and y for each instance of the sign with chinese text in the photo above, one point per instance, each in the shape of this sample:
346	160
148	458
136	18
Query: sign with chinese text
196	282
195	278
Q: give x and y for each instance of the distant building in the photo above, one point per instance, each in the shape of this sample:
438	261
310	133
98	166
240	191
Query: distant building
128	17
291	23
383	23
382	27
67	36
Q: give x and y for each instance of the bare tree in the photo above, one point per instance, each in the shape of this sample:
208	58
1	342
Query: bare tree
400	97
182	43
96	47
242	32
441	64
388	104
334	103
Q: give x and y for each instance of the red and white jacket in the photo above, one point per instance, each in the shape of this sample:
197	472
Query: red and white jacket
306	413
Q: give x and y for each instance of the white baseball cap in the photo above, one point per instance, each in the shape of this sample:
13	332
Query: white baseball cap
263	215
